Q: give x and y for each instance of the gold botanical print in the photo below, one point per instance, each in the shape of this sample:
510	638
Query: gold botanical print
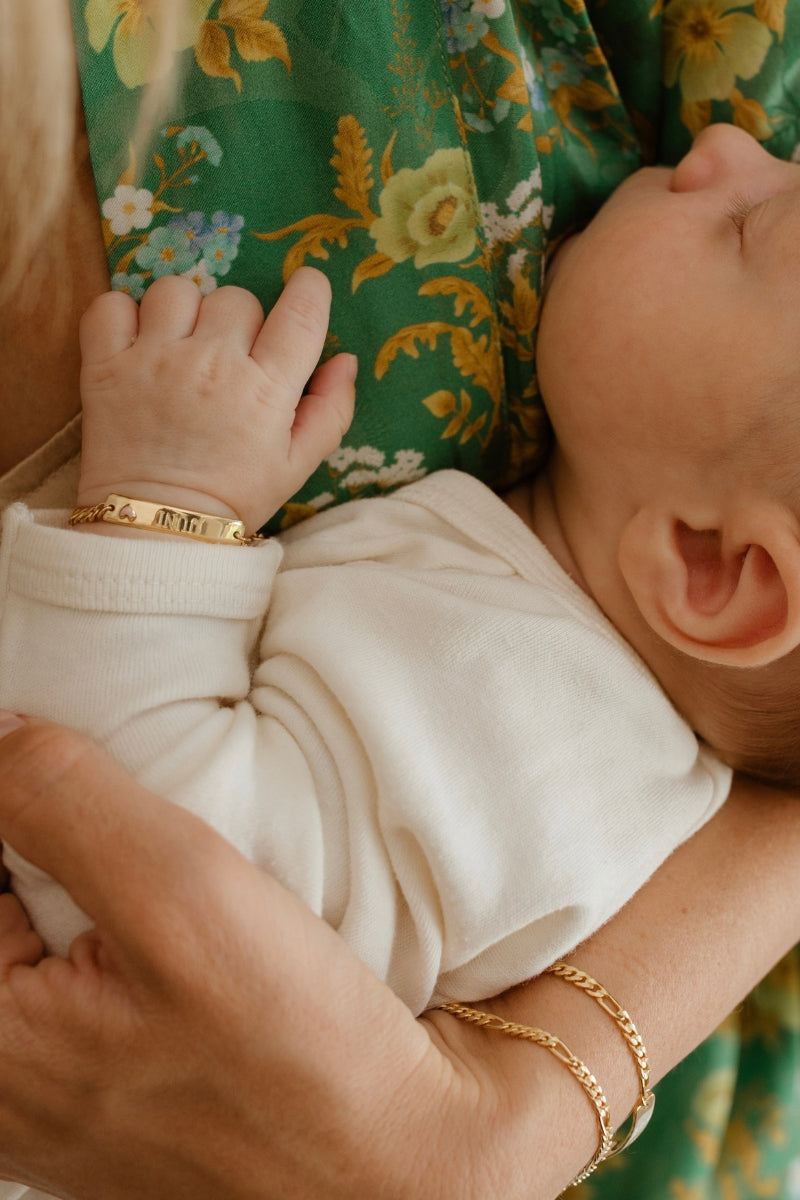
353	165
428	213
477	358
416	93
773	15
147	34
708	46
710	1112
750	115
254	38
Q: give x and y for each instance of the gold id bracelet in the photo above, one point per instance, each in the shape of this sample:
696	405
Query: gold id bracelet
164	518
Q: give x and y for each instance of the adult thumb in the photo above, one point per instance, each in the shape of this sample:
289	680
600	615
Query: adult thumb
68	808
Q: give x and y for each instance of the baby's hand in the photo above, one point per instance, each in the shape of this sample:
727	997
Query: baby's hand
199	402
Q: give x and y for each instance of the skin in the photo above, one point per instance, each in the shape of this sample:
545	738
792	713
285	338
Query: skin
658	496
202	402
668	252
175	1057
156	1022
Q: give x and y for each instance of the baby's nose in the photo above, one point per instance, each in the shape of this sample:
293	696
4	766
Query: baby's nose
717	153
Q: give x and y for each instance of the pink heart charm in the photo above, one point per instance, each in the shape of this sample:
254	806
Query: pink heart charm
127	513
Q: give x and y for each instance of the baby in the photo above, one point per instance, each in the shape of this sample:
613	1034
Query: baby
436	715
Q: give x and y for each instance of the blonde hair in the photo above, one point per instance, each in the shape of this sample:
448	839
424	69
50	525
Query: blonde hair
38	105
39	124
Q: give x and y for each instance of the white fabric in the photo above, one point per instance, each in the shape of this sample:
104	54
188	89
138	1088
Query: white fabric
48	477
435	737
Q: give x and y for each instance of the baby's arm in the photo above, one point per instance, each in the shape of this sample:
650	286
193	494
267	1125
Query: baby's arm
199	402
196	403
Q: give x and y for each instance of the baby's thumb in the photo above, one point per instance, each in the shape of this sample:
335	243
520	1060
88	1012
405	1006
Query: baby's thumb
324	413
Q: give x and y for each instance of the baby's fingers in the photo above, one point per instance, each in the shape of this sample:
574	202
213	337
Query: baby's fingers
324	413
292	338
109	325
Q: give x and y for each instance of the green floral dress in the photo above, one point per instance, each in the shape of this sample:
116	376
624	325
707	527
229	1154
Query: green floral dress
426	154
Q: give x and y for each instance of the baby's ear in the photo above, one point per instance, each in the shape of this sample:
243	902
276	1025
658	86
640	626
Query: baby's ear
725	590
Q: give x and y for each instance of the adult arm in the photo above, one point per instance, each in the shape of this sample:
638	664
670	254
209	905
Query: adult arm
212	1037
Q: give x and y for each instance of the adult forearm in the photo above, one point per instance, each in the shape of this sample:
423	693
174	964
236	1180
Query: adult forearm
213	1038
679	957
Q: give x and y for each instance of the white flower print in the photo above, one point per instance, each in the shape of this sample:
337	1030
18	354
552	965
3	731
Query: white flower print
524	204
489	8
129	208
200	275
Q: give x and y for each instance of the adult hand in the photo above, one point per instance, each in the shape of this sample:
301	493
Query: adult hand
210	1037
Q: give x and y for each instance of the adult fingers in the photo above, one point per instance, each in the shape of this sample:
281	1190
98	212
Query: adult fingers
19	943
109	326
114	846
291	340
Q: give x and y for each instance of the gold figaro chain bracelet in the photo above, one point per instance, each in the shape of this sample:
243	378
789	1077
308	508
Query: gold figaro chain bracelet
643	1111
579	1070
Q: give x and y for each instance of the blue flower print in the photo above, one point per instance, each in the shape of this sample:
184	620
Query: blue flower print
558	23
202	137
560	66
220	253
453	8
468	29
195	227
228	225
133	285
167	251
451	11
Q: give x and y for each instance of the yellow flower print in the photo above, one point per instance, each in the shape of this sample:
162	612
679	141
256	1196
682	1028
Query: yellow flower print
711	1104
146	33
708	45
428	213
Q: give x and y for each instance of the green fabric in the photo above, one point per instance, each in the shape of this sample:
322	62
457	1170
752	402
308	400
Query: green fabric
425	154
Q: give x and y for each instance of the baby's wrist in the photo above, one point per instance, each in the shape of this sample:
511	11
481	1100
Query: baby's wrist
167	495
173	495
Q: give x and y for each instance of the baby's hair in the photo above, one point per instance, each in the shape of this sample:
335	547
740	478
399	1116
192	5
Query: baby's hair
751	717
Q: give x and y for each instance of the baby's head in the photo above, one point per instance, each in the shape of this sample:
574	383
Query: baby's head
669	361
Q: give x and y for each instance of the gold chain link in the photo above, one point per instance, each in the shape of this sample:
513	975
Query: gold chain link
644	1109
579	1070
